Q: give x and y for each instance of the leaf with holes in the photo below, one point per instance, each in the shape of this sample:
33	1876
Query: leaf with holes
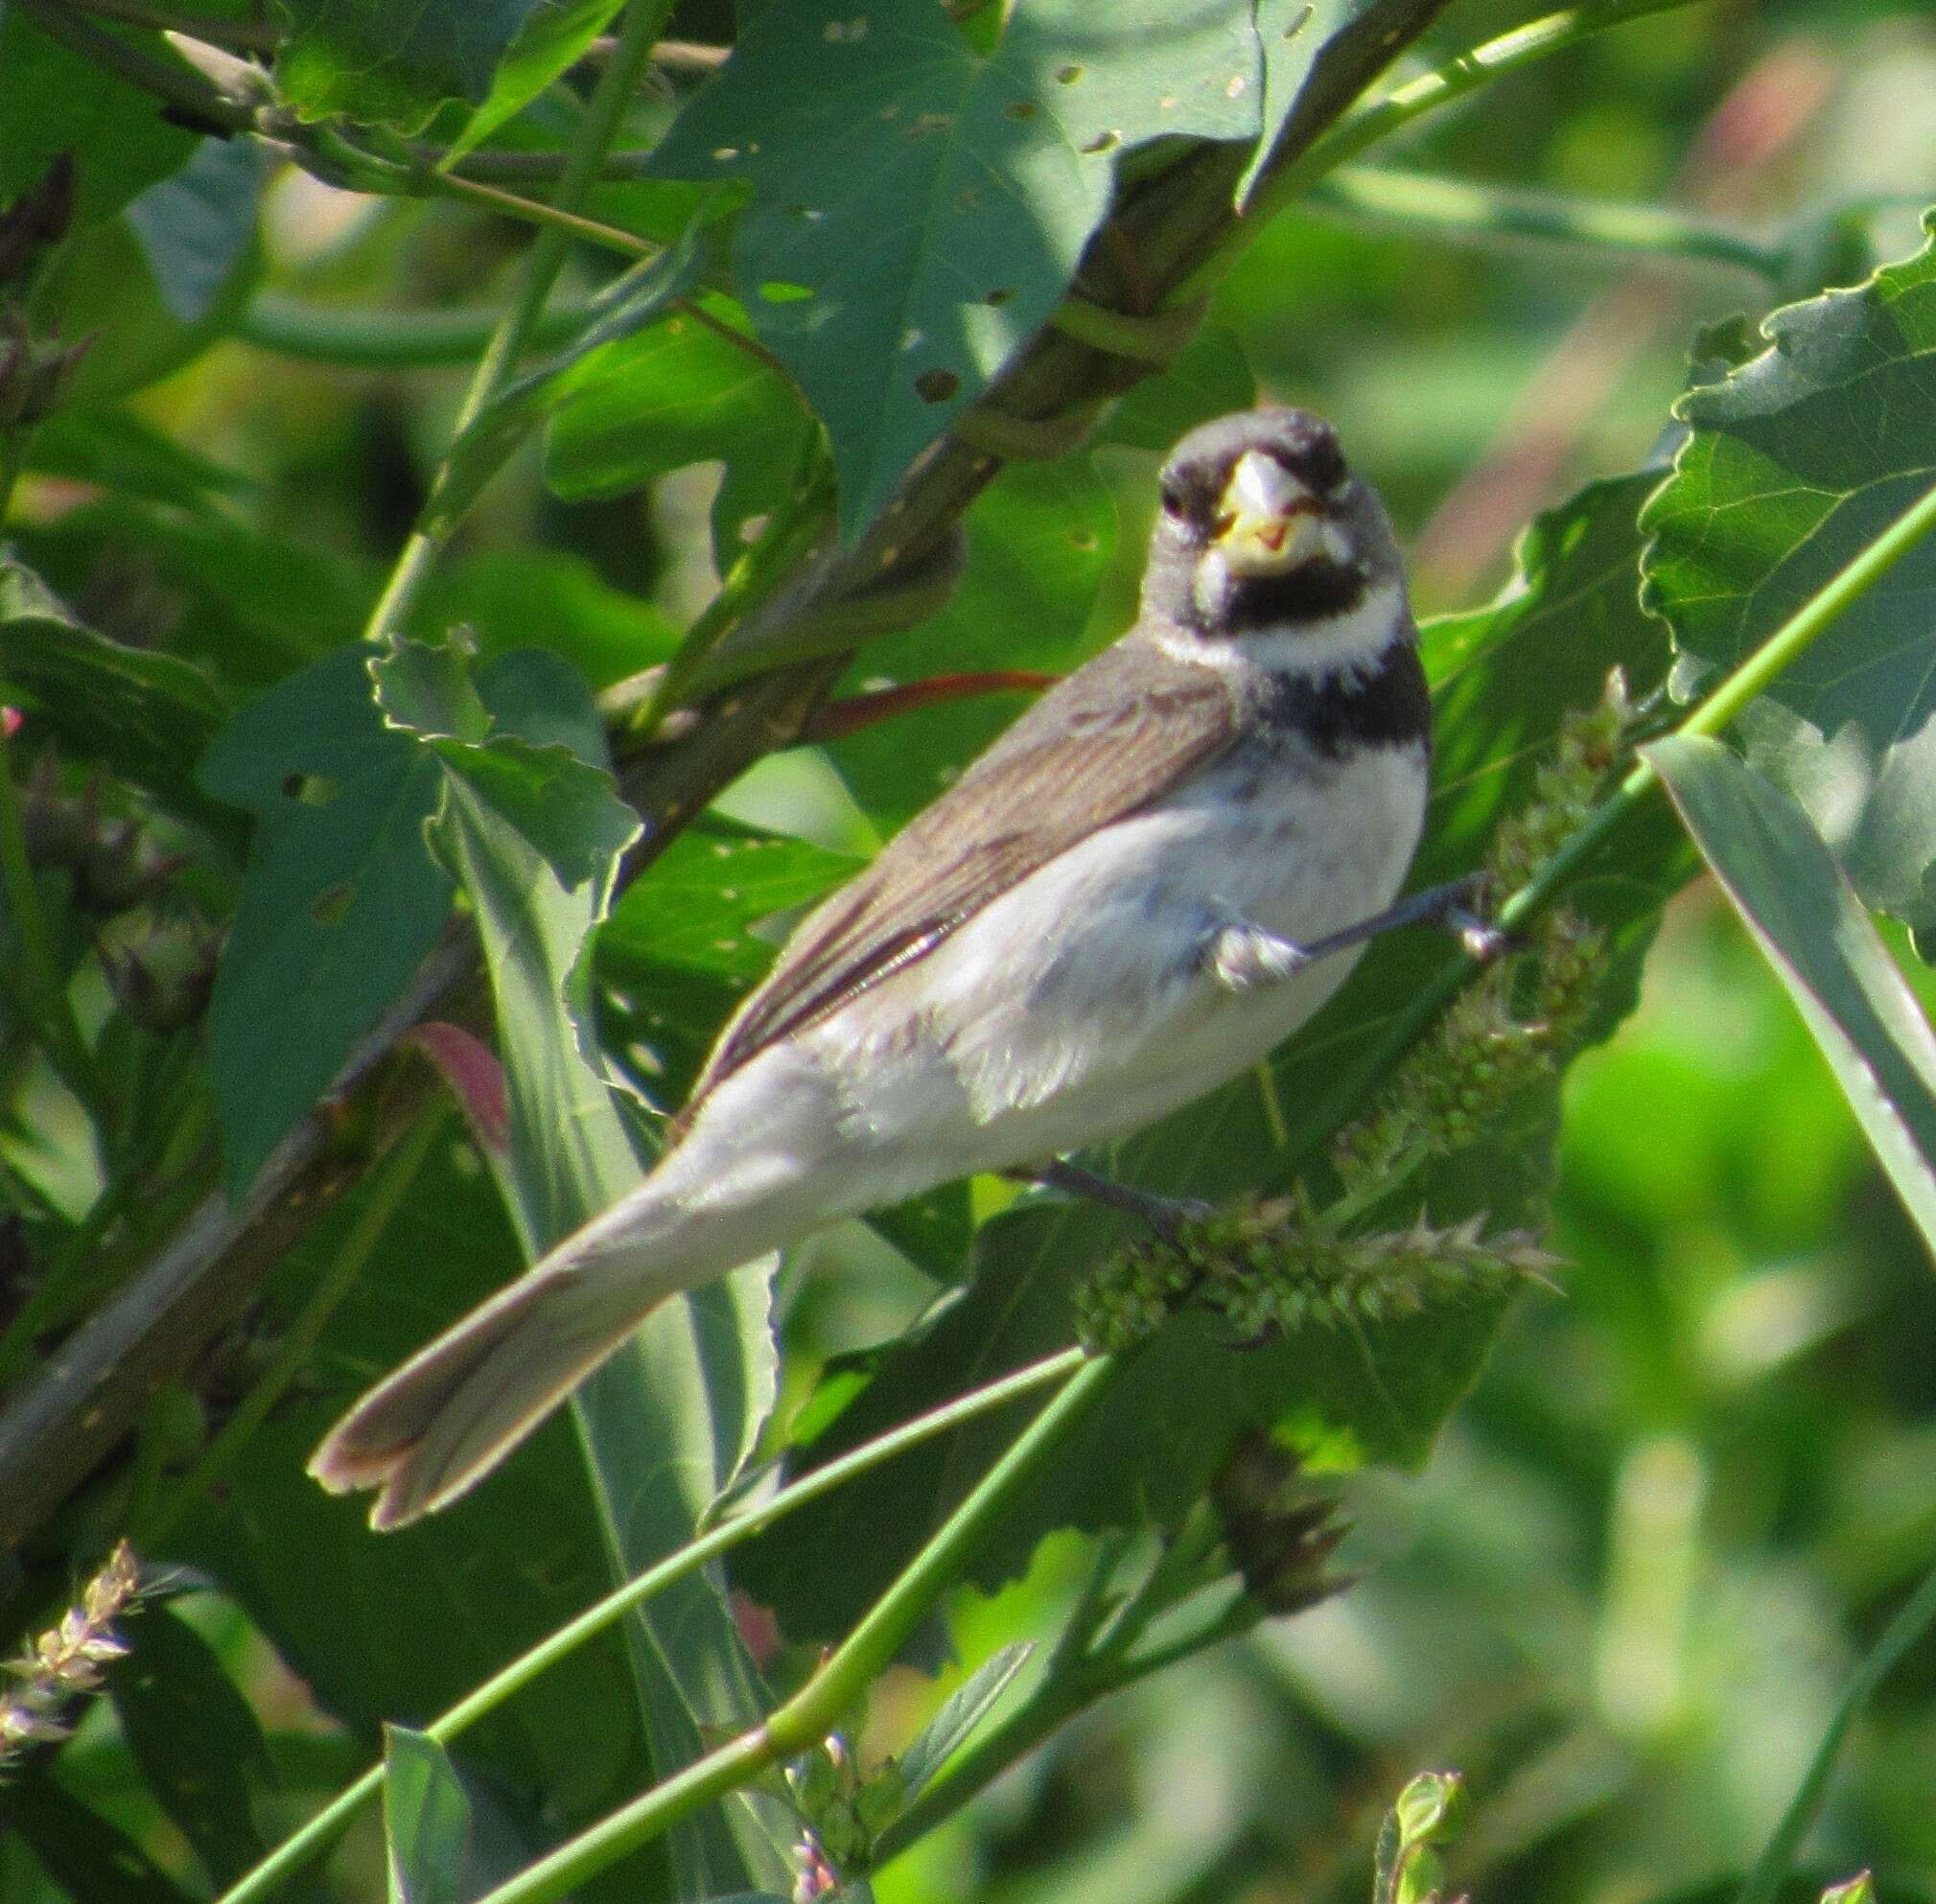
918	211
1793	464
341	903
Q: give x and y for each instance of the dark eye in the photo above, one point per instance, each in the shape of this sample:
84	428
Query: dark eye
1324	466
1176	497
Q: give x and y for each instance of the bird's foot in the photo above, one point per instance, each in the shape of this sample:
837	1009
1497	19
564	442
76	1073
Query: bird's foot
1244	956
1165	1214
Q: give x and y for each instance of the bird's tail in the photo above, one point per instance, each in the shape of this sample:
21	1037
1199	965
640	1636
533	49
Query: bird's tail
445	1419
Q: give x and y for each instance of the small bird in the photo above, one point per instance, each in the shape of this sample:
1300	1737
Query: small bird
1152	879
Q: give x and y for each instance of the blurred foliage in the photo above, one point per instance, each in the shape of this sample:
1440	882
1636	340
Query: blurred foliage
1628	1589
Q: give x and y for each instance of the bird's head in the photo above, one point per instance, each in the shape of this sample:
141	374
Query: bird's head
1264	529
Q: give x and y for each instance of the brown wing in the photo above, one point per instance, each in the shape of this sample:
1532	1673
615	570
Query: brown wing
1118	734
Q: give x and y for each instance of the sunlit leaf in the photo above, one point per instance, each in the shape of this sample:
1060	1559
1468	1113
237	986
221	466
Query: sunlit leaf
426	1819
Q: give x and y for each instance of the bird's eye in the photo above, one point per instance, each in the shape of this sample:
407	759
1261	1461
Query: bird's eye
1175	500
1324	466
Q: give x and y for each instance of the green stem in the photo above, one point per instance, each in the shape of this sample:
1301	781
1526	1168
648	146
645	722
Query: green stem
309	1842
1379	119
179	85
235	35
534	211
386	1190
813	1712
1764	1882
360	339
51	1015
13	459
1463	210
616	86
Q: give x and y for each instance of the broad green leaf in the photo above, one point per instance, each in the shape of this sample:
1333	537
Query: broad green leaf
341	904
1506	677
115	448
678	394
196	227
426	1819
1038	541
1794	463
633	300
553	39
392	61
83	1854
670	1419
53	101
144	715
896	305
1822	946
195	1739
1292	33
966	1709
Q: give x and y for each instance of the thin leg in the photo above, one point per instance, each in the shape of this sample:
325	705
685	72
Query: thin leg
1243	956
1165	1214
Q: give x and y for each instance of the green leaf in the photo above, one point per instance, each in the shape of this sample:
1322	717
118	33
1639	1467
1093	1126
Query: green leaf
1815	935
1505	676
143	714
53	101
83	1854
633	300
678	394
196	227
966	1709
341	904
1293	32
426	1819
392	61
115	448
195	1739
1793	464
670	1419
895	306
553	39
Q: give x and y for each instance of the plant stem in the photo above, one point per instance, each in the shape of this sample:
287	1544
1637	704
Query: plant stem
1772	1867
51	1011
534	211
616	86
811	1713
1463	209
388	340
1379	119
235	36
179	85
309	1842
388	1189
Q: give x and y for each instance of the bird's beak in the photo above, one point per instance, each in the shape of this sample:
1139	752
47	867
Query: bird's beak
1267	521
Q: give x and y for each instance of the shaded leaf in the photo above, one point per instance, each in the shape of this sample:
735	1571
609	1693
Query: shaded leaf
1813	931
78	1849
553	39
115	448
195	1739
144	715
895	306
195	227
392	61
426	1819
1794	463
966	1709
341	904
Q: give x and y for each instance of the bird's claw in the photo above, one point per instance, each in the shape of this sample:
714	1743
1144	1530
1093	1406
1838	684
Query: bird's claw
1246	956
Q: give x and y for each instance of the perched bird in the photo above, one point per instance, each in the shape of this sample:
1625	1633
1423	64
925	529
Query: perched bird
1153	877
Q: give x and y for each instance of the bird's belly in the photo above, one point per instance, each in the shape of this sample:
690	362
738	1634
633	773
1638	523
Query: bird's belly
1079	1004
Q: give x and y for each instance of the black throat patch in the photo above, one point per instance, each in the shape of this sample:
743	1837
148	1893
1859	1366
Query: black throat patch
1346	709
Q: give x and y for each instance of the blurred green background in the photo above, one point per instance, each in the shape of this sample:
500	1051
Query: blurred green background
1692	1487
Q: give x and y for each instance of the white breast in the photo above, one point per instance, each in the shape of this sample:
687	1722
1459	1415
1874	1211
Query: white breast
1076	1007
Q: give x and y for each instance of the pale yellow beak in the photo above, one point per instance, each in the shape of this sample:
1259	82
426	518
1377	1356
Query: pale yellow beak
1267	521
